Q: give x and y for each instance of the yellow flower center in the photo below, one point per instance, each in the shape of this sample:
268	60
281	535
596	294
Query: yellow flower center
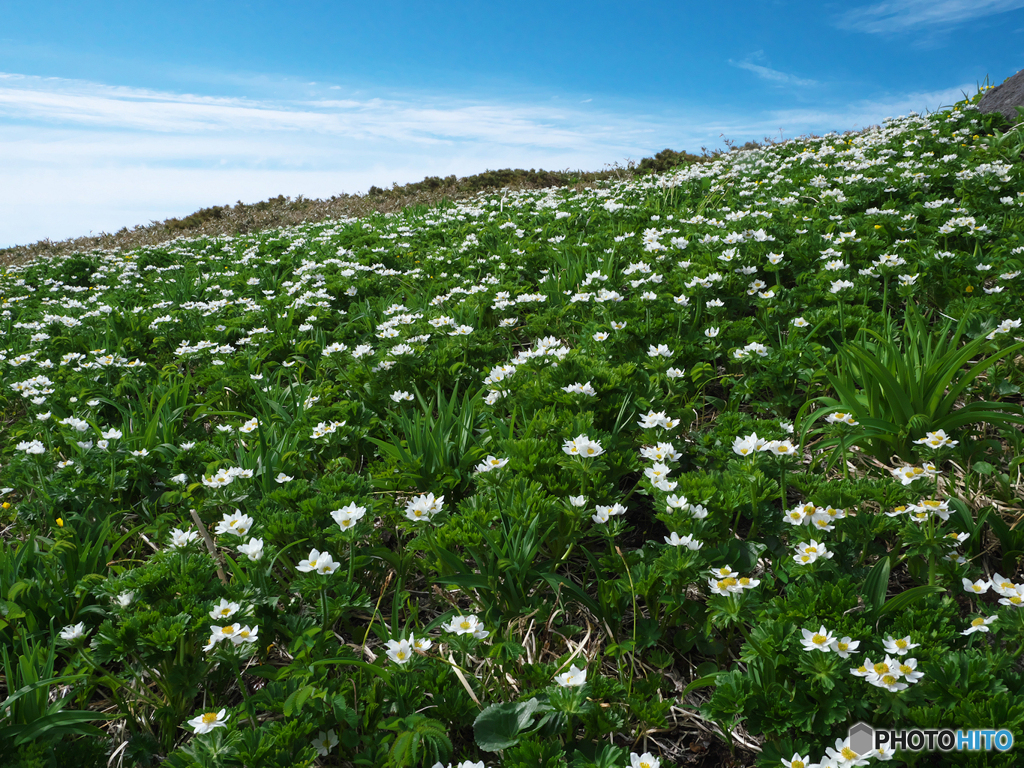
906	669
848	754
881	668
312	563
725	583
400	655
209	717
797	764
465	625
862	669
901	643
818	639
227	630
842	646
888	680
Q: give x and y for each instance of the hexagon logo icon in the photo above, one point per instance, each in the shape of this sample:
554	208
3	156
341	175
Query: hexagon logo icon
862	738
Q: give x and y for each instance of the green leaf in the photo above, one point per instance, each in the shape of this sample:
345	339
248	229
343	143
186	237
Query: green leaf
877	584
499	726
905	599
294	703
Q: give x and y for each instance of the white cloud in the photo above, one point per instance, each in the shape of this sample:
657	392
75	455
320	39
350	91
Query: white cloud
772	75
83	157
899	15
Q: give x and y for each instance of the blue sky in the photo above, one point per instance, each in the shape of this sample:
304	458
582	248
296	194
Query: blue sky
114	114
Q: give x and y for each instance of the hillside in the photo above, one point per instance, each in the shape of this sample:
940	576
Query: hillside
282	211
694	467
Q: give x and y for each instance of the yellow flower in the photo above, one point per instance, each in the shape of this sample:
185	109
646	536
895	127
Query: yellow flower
60	522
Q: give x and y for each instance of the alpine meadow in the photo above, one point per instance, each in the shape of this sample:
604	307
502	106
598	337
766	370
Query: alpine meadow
688	467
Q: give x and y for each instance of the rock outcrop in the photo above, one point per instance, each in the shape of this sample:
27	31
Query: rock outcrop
1005	98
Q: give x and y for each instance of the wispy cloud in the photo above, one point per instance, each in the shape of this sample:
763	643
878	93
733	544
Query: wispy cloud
901	15
769	74
81	157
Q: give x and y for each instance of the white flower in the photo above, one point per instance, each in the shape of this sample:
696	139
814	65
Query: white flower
347	517
208	721
283	478
661	350
423	507
845	646
646	760
318	561
237	524
467	625
843	756
224	610
583	446
937	439
253	550
744	446
710	333
325	742
245	634
180	539
399	651
491	462
125	599
73	631
612	511
978	587
32	446
580	389
821	640
657	473
573	677
779	447
400	395
841	418
600	336
675	540
180	479
900	646
979	624
578	501
796	761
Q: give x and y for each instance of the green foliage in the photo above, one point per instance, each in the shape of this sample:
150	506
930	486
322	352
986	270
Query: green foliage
172	504
898	392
